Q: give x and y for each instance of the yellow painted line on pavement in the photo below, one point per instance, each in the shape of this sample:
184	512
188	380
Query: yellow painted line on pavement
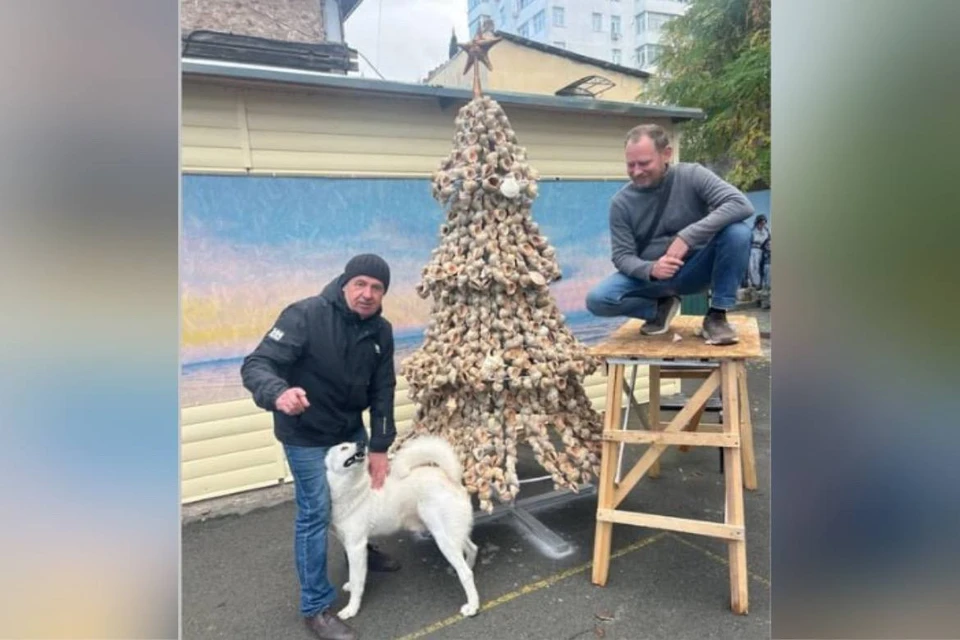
713	556
530	588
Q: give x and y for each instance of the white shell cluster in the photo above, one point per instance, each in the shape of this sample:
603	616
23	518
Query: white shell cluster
498	366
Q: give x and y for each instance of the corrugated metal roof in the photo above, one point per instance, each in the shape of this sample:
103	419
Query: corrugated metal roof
249	72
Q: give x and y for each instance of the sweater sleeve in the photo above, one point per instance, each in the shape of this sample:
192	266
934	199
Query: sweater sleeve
724	201
624	245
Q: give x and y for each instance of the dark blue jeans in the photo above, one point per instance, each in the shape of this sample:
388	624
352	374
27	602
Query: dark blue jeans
308	466
719	266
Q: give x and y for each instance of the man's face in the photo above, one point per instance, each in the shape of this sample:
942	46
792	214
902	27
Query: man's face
645	165
364	295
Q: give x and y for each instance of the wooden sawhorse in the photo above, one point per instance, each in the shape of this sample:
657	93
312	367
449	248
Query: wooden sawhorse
721	368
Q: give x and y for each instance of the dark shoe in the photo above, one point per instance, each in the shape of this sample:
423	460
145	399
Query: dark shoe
716	329
327	626
667	309
379	561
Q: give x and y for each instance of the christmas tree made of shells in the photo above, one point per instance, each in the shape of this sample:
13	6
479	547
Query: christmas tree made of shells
498	366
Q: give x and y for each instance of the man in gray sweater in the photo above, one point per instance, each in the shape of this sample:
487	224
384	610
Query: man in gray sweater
699	242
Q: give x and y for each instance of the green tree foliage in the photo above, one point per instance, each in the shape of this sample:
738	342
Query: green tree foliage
717	57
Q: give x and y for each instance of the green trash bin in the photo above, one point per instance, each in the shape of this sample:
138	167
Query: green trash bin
695	305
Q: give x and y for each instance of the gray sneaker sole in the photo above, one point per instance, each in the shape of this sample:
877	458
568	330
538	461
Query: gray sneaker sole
720	342
666	325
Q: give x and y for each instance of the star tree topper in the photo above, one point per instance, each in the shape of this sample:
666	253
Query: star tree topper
477	51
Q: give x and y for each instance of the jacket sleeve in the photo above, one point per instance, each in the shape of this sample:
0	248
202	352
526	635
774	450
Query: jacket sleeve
624	246
724	201
383	385
263	371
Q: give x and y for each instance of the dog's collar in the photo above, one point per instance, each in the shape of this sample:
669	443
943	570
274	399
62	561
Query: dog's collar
359	456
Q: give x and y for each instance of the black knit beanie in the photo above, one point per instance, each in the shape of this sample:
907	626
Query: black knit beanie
368	264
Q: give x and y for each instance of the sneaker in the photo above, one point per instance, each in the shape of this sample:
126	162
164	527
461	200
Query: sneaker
716	330
667	310
327	626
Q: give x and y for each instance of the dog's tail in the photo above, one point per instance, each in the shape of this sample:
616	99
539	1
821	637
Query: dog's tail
425	450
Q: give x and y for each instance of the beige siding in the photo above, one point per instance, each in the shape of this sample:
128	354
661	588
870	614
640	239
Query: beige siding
228	448
313	132
525	70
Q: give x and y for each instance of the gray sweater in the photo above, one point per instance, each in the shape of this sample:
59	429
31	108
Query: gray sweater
700	205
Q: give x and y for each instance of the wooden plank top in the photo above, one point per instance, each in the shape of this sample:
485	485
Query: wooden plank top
628	342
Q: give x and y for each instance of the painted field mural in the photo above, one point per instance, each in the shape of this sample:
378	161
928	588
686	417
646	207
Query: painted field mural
252	245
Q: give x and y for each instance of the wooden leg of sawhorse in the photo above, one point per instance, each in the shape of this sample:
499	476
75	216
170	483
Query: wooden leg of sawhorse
654	412
730	380
608	469
746	432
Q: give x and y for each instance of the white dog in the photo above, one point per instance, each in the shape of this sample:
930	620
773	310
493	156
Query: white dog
414	496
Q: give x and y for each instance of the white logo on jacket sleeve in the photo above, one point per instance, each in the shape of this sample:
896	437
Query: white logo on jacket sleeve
376	348
275	334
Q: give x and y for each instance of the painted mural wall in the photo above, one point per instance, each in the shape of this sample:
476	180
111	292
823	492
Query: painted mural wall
252	245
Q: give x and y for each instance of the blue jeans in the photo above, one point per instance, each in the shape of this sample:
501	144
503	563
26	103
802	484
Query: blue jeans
308	465
719	266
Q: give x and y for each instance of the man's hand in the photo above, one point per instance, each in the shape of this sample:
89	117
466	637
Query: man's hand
293	401
378	469
666	267
678	248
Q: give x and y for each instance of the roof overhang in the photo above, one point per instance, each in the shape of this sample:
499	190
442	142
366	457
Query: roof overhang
196	67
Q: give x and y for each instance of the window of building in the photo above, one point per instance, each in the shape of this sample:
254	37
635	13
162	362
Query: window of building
598	22
615	55
647	55
539	21
615	25
558	16
561	45
473	5
652	21
524	29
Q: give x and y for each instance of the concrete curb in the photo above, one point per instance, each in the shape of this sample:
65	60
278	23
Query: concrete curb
237	504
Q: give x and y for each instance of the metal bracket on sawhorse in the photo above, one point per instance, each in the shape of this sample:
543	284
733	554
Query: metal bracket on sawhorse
551	544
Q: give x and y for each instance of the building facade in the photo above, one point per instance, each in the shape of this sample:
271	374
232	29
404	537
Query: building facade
626	32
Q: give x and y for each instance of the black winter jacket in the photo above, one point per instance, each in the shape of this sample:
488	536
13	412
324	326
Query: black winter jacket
345	365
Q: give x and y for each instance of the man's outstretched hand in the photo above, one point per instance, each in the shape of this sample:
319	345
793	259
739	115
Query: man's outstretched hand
378	469
293	401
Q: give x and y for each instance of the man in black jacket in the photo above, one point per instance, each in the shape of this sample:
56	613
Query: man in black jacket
327	359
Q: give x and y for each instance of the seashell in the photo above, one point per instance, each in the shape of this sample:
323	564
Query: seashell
510	188
491	183
531	189
472	154
470	185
